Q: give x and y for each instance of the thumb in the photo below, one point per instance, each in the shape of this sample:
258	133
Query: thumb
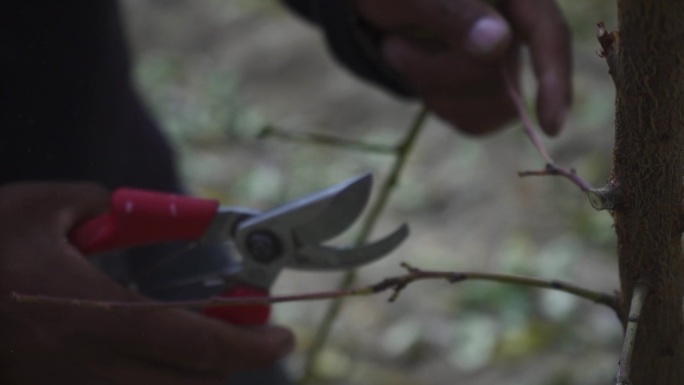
54	206
182	339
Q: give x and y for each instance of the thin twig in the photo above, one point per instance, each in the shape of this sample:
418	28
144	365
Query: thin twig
402	153
638	298
395	284
325	139
524	117
551	167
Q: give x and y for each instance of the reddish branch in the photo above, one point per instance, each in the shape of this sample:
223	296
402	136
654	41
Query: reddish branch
394	284
551	167
554	169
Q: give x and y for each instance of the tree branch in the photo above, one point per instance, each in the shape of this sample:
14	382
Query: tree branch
325	139
394	284
551	167
606	197
638	297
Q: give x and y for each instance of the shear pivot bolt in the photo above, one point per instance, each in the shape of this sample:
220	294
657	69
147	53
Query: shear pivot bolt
263	246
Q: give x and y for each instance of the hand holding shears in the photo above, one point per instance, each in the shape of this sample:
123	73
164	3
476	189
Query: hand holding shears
288	236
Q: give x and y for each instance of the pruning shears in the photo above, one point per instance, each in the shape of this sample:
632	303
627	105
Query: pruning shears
287	236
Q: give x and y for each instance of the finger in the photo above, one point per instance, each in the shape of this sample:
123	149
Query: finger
541	25
78	201
474	116
440	73
123	370
72	359
95	365
61	204
188	340
470	96
462	23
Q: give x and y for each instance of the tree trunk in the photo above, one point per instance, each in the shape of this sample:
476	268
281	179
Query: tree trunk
647	65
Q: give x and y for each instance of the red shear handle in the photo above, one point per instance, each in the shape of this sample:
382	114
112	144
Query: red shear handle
140	217
241	315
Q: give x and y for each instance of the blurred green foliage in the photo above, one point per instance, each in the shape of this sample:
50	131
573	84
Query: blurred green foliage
467	209
198	109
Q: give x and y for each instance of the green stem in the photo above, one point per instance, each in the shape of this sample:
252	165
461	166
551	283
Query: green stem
402	153
324	139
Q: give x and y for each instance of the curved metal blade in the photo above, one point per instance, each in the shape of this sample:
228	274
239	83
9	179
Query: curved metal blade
316	217
332	258
343	208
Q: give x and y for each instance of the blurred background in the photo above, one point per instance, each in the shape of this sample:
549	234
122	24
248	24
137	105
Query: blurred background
216	72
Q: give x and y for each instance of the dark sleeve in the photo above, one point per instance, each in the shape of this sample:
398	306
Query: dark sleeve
352	42
68	108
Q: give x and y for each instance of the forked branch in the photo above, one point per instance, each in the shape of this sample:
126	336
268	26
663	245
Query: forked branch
551	167
395	285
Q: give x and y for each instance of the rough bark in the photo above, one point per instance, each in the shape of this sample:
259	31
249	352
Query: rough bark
647	65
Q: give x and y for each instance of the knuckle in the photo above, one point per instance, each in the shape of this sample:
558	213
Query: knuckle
207	354
267	353
210	356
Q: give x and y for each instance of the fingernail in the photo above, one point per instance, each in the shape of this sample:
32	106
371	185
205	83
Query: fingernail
487	35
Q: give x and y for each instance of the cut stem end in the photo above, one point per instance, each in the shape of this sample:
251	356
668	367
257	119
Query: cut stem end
604	198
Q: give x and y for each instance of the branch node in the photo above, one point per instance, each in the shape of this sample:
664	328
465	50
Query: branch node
456	278
398	287
551	168
383	285
604	198
410	268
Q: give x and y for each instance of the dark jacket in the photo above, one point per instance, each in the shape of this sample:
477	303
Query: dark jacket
68	109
